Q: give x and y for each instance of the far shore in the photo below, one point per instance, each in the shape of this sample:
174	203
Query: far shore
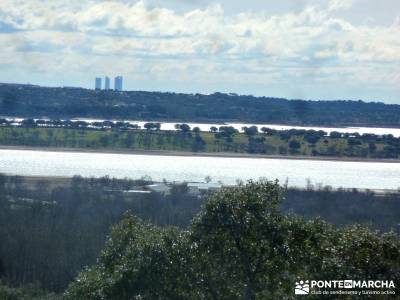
220	122
197	154
56	181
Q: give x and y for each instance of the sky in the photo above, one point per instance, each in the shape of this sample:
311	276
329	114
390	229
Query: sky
296	49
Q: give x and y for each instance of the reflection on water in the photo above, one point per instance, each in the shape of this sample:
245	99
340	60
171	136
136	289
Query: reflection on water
178	168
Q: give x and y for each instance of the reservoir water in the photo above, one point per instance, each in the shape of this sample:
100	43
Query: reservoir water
372	175
206	126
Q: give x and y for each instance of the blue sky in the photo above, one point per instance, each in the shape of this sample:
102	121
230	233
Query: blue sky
325	49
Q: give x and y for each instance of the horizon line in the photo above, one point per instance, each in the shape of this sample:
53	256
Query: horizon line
232	94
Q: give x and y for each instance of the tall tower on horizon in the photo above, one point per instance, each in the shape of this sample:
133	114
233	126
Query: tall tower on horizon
118	83
97	83
107	83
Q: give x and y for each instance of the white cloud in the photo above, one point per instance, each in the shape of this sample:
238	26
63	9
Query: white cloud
201	44
340	4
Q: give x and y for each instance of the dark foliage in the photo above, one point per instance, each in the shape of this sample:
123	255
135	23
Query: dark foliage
51	230
240	246
50	233
35	101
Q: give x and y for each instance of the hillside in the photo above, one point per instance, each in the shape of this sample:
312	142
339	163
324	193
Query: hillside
36	101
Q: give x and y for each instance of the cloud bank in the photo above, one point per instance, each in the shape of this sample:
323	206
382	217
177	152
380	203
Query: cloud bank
201	48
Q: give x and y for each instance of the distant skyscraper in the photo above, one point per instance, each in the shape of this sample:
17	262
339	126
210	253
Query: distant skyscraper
118	83
97	83
107	83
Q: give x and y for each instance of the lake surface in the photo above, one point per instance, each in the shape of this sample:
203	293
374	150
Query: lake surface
346	174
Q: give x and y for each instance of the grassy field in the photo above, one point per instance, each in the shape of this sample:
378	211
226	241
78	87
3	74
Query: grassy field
207	142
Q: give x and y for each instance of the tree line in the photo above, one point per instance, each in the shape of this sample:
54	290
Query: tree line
50	231
240	246
252	140
63	103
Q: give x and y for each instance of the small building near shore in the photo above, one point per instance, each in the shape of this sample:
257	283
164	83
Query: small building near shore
161	188
197	188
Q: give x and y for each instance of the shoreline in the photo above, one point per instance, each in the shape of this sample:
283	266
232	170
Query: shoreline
198	154
65	180
223	122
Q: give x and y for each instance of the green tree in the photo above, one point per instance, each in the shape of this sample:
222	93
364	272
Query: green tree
198	144
240	246
196	130
152	126
213	129
183	127
250	131
294	145
237	228
28	292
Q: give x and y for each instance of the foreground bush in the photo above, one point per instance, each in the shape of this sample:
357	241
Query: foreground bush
239	247
28	292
